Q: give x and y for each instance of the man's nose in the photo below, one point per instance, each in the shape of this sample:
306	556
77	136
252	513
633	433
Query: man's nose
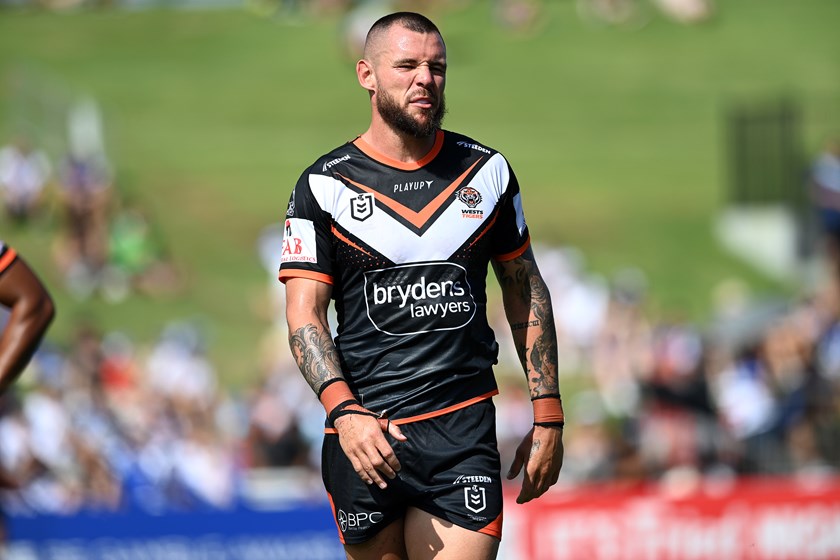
423	76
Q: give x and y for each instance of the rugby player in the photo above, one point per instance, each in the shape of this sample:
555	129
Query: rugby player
31	308
398	227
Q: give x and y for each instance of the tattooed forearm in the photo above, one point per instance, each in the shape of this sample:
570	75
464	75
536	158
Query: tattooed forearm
315	354
543	355
528	305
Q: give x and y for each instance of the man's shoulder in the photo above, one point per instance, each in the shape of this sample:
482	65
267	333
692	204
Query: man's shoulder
331	159
456	140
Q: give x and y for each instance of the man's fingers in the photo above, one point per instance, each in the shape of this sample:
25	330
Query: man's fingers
360	470
390	458
535	485
378	461
516	466
395	431
527	491
376	477
368	450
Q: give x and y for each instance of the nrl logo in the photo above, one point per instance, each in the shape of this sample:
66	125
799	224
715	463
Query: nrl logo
475	498
361	207
469	196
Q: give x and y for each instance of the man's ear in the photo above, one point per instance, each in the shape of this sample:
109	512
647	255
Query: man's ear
364	72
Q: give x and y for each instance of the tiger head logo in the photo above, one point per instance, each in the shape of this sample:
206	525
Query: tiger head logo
469	196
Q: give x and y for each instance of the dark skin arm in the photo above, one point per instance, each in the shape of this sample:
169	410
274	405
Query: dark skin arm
362	437
528	309
32	310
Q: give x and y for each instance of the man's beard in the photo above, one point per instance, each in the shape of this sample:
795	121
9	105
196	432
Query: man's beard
400	119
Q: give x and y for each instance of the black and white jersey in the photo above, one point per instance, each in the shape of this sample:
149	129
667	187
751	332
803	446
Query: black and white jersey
406	248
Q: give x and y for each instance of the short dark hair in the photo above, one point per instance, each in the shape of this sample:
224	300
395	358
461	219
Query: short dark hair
410	20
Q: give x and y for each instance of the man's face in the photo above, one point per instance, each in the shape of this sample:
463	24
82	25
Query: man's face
411	76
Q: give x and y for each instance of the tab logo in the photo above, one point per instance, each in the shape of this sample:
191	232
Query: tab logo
412	299
299	241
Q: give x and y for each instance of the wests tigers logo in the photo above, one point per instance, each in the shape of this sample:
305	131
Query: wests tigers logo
469	196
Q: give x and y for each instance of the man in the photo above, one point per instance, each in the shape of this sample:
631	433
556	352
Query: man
398	227
32	310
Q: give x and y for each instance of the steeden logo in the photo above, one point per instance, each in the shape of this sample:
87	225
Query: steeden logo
336	161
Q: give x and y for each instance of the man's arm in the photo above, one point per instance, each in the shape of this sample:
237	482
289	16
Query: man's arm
360	431
32	310
528	310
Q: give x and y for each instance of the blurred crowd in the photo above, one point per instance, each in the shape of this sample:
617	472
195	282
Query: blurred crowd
518	16
111	425
103	245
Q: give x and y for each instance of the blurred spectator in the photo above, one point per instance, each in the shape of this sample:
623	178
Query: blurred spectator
824	185
85	194
24	173
137	260
270	239
520	15
179	368
357	21
687	11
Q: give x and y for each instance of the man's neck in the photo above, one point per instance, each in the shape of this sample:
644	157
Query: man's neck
398	145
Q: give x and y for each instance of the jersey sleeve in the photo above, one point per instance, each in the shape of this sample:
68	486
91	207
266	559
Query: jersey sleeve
510	232
7	257
307	247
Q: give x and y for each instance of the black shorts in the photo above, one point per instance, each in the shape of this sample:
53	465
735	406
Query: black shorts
450	469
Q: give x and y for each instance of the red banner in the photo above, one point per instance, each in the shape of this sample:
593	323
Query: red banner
766	519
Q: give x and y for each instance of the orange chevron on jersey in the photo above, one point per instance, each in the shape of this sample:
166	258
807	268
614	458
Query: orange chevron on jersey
418	219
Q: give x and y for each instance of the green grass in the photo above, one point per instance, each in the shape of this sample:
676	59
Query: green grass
616	136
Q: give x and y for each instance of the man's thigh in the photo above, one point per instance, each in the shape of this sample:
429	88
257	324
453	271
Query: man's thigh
427	537
387	544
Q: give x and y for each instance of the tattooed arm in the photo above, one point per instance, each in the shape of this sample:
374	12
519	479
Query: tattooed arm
312	346
529	312
359	432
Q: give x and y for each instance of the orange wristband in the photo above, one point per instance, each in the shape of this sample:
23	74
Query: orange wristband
548	410
334	394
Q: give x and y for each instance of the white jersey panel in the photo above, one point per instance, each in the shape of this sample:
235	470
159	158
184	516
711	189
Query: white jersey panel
446	235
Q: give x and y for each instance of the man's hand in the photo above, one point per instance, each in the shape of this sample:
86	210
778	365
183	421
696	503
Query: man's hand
541	452
361	437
